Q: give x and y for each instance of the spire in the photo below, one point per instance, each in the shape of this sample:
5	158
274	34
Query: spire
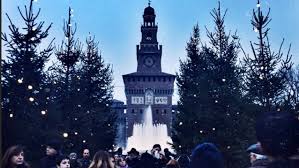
149	2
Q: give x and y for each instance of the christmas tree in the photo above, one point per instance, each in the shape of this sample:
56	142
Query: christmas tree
95	89
267	71
211	108
65	78
23	81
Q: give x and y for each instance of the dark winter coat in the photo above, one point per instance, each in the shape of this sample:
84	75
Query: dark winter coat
292	163
260	163
84	163
48	162
133	162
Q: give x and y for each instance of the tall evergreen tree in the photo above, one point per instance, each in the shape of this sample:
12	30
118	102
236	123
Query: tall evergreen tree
23	98
210	106
233	120
193	86
66	77
267	70
96	120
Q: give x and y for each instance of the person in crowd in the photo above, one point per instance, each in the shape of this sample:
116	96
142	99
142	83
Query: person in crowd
133	158
147	161
85	161
119	151
206	155
14	158
160	160
73	160
102	159
121	163
257	157
278	134
172	164
168	155
184	161
63	161
52	152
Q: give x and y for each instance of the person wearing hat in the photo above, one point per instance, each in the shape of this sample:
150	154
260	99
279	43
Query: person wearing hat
278	134
52	152
257	157
206	155
133	158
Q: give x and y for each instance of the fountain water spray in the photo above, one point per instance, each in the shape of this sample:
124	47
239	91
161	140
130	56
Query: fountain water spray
147	134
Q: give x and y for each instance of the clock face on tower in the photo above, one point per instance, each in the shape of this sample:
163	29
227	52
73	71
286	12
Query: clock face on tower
149	61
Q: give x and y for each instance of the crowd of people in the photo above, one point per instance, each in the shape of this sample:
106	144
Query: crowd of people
278	144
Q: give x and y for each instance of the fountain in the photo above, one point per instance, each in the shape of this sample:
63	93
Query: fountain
147	134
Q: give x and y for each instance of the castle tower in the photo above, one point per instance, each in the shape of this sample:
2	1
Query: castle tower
149	85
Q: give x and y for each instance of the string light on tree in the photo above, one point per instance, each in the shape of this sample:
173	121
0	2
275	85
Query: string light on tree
30	87
20	80
223	80
228	147
31	99
214	129
65	135
201	131
76	133
181	123
258	5
84	141
43	112
10	115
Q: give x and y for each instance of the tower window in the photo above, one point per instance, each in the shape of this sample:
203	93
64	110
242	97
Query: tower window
141	111
133	111
165	111
157	111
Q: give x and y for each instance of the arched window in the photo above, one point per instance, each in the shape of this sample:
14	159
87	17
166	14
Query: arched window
165	111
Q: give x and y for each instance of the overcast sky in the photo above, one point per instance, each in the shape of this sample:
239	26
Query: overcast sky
116	25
